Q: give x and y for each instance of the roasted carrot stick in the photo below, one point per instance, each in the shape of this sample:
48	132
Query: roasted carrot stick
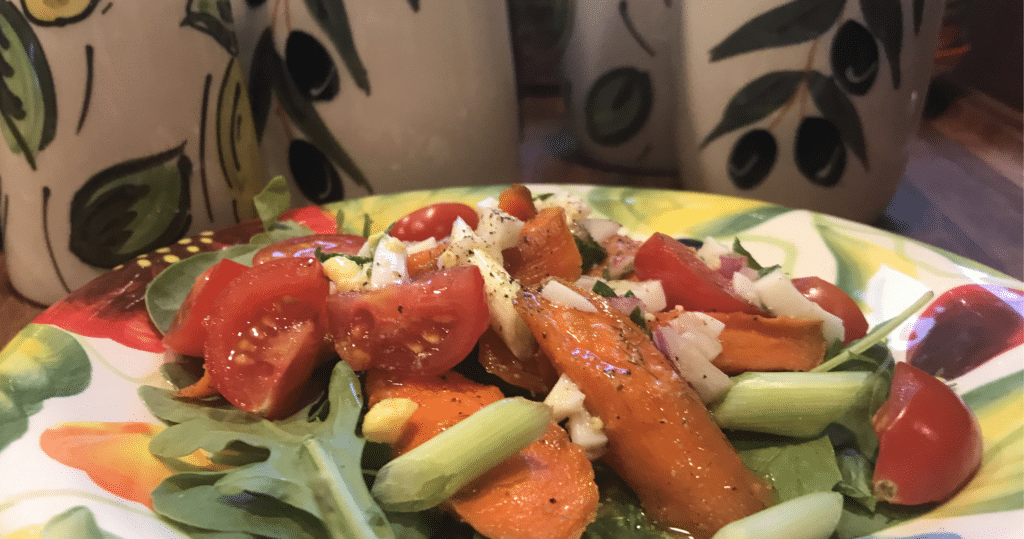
546	491
758	343
534	374
661	438
546	248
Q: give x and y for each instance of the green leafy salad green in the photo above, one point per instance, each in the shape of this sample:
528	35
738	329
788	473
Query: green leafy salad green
308	476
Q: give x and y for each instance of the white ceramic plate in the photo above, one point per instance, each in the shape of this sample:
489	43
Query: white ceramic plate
73	432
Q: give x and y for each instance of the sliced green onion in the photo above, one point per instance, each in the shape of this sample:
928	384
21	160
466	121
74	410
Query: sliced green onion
877	333
811	516
797	404
434	471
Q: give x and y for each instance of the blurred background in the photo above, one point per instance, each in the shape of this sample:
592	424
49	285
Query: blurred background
962	189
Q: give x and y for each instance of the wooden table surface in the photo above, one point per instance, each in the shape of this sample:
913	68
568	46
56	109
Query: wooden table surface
961	192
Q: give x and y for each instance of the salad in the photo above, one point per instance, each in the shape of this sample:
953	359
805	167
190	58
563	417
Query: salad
520	369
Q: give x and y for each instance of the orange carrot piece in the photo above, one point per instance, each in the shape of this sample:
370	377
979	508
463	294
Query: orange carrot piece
201	389
757	343
546	248
425	260
517	201
546	491
661	439
534	374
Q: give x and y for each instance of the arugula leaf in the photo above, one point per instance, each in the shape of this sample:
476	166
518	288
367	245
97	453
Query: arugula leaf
856	483
281	492
272	201
323	257
591	252
602	289
753	264
637	316
794	466
855	424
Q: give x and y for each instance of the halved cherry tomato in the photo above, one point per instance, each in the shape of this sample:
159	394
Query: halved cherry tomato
832	298
187	331
426	326
433	221
929	440
517	201
267	334
306	246
687	280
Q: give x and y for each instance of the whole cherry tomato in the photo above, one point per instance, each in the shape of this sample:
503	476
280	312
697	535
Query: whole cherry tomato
929	440
433	221
687	280
832	298
267	333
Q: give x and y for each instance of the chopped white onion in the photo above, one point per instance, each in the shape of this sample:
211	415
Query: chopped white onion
600	229
389	263
415	247
566	402
651	292
691	342
588	431
565	399
557	292
712	251
778	295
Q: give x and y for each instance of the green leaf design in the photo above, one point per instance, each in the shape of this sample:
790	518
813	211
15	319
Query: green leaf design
132	208
836	107
301	110
618	105
28	102
757	99
77	522
333	19
263	67
731	225
788	24
213	17
41	362
237	144
884	18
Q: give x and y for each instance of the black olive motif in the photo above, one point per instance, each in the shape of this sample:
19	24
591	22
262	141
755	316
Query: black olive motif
854	57
311	67
313	172
820	152
752	158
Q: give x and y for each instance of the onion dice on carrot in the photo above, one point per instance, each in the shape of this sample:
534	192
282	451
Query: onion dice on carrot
661	438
